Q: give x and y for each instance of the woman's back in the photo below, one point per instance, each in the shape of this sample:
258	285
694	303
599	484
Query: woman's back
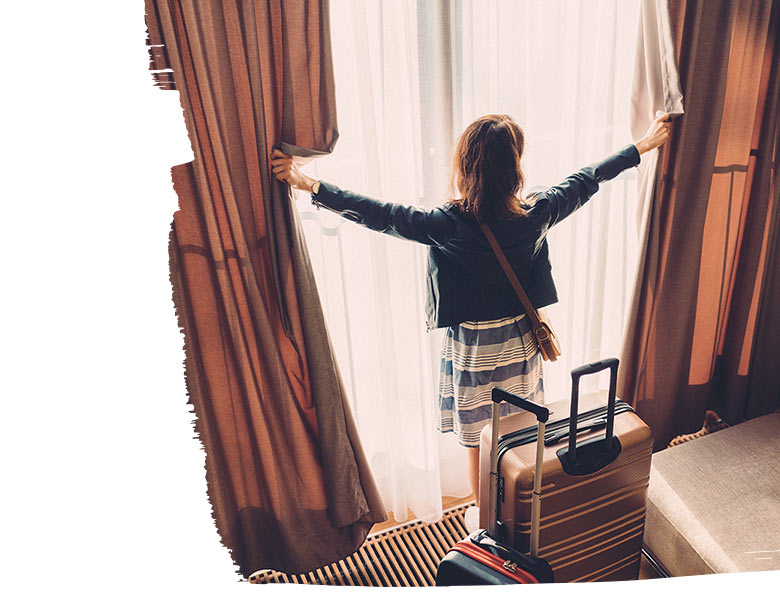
465	281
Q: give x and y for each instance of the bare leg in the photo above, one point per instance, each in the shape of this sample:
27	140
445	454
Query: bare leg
473	454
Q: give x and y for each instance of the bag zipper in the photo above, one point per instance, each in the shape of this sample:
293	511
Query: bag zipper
553	430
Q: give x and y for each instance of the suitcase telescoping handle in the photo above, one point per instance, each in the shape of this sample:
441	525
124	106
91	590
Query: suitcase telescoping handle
542	415
576	375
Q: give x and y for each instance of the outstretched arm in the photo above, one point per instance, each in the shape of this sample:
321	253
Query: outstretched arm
431	227
574	191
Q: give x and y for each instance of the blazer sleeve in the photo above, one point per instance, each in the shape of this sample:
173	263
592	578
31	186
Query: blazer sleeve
574	191
432	227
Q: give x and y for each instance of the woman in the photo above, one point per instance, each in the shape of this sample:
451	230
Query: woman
488	341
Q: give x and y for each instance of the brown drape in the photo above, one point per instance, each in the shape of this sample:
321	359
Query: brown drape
287	479
705	319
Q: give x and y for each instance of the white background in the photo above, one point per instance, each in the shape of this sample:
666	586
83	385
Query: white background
103	490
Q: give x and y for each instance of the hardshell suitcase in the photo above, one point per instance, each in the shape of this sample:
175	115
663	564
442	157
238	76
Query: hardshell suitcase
593	489
480	559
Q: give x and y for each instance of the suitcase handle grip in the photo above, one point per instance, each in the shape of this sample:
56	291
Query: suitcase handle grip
576	375
607	363
542	412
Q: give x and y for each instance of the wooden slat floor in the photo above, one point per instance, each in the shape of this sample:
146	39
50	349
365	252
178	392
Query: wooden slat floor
404	555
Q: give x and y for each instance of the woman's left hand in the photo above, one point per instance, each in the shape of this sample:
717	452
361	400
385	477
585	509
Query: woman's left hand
656	136
285	169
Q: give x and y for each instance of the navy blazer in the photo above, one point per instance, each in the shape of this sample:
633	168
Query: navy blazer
465	279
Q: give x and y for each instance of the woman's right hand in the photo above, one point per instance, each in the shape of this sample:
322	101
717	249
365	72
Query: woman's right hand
285	169
656	135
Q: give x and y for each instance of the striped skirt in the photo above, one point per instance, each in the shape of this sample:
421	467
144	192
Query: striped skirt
477	356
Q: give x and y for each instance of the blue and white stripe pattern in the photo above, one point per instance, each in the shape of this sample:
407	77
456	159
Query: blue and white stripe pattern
478	356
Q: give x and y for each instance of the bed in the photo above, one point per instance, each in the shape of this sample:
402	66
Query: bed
714	502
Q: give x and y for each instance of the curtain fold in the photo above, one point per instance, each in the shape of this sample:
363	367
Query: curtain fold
656	87
703	296
287	478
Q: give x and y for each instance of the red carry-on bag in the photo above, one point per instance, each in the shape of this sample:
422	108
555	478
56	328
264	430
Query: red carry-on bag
481	559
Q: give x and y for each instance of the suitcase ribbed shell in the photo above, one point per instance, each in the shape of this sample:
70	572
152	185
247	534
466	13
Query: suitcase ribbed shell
591	525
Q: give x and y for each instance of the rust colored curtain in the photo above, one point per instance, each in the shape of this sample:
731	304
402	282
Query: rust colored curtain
706	312
287	479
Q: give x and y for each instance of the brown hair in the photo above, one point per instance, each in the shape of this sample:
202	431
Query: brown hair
486	169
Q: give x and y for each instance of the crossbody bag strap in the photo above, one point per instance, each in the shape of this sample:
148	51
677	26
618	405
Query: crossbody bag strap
526	302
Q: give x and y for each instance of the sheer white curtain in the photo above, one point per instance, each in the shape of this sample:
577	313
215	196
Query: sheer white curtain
373	285
410	75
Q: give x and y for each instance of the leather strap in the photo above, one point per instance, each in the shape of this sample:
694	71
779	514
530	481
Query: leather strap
525	301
